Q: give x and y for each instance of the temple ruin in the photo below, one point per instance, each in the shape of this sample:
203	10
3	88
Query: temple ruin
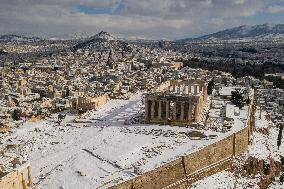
176	102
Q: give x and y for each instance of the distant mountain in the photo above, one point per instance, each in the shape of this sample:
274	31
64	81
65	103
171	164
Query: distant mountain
104	36
18	38
103	41
264	31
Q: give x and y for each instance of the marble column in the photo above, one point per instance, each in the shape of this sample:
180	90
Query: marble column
189	111
152	109
195	89
174	88
178	88
146	109
175	111
160	110
167	109
195	111
182	111
186	89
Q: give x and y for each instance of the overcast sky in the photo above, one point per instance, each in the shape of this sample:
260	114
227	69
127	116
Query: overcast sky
151	19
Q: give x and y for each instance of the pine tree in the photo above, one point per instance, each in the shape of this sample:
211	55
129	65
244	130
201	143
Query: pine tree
238	99
16	115
210	87
279	138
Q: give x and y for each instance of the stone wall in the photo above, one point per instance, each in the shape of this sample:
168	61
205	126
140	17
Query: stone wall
101	100
182	172
209	155
88	103
18	179
241	141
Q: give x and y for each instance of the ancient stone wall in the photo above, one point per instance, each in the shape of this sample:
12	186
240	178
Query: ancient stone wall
241	141
88	103
209	155
101	100
18	179
187	169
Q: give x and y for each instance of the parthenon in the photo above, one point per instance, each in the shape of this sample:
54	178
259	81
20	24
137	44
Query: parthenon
176	102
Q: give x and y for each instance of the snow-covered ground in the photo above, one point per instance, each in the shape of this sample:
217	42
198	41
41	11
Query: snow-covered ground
226	180
99	150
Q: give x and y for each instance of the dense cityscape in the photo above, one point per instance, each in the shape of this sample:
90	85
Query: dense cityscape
102	111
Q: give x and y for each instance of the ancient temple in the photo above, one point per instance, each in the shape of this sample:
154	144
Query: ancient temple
176	102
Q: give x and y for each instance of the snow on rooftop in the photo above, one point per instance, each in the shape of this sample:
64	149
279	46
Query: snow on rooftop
101	148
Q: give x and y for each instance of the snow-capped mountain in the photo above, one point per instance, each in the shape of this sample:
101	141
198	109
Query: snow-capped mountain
246	31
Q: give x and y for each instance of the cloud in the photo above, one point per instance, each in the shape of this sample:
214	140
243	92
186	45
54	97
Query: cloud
223	8
275	9
155	19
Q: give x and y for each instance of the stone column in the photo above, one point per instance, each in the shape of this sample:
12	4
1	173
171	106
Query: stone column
189	88
160	110
189	111
153	109
181	89
146	109
175	111
174	88
186	89
178	88
167	109
195	89
196	111
182	111
30	176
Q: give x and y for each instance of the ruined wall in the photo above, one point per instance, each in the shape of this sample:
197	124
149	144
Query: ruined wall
241	141
158	178
101	100
182	172
209	155
88	103
19	179
162	176
163	86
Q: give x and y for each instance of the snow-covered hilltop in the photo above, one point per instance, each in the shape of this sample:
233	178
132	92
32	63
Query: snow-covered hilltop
104	35
244	32
103	41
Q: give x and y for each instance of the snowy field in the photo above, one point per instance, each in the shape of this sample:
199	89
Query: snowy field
99	150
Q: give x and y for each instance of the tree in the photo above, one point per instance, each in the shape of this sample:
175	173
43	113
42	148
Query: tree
210	87
279	138
16	115
60	118
238	99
